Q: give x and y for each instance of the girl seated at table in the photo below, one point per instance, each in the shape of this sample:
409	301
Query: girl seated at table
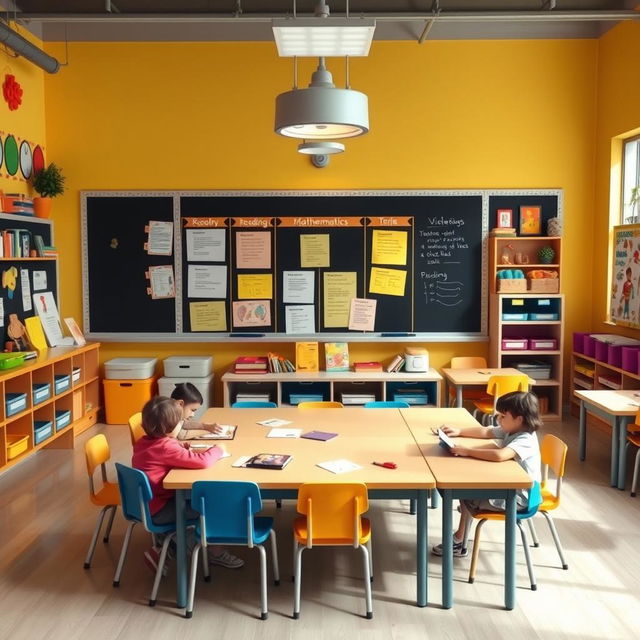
156	454
518	420
189	399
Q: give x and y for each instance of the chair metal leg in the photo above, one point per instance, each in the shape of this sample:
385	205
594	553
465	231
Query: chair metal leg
476	551
293	563
412	507
527	555
297	573
110	523
274	558
556	538
369	549
123	554
94	537
532	531
367	582
264	611
163	559
205	564
192	582
636	468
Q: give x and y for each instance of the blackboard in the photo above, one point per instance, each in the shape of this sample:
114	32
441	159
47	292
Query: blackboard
444	296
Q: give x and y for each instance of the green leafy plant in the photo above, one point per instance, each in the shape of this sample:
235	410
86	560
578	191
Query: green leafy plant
546	255
49	182
635	198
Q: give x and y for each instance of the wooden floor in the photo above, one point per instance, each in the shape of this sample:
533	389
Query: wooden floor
46	520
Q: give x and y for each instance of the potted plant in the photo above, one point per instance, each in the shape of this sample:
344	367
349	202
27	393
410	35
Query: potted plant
49	183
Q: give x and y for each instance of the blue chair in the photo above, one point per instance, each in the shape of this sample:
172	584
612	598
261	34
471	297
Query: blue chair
386	404
135	493
228	517
254	405
535	500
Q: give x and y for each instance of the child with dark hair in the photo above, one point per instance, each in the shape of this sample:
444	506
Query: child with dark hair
515	439
189	399
156	454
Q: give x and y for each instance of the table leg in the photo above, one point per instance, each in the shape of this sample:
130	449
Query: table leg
615	439
622	452
582	439
421	551
181	551
459	402
435	499
510	551
447	549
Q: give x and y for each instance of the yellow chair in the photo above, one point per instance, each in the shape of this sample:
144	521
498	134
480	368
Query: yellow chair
332	517
97	454
468	362
135	427
324	404
634	438
497	386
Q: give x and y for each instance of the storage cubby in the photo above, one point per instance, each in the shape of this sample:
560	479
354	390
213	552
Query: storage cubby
292	393
357	392
258	390
22	426
91	365
3	447
77	364
91	396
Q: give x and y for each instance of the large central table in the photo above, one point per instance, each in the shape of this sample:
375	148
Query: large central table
365	435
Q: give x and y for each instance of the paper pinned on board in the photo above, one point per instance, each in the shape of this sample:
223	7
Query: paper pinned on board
389	247
300	318
162	282
208	316
298	287
160	238
314	250
339	288
206	281
253	249
362	315
255	286
25	286
390	282
39	280
206	245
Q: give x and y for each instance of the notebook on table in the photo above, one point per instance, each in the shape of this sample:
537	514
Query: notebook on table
319	435
269	461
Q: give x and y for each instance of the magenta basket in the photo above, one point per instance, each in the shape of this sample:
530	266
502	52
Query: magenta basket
614	355
602	351
630	357
578	341
589	346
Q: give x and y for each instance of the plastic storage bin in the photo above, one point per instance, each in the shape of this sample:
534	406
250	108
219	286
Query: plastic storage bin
16	444
123	398
629	359
514	317
544	316
41	391
15	403
589	346
61	383
42	429
10	360
204	385
543	344
513	344
63	419
601	350
187	367
614	355
130	368
535	369
578	341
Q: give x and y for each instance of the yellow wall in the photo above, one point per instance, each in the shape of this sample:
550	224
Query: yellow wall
618	114
478	114
27	122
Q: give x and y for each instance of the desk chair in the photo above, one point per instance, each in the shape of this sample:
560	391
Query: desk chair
253	405
535	499
633	438
135	493
468	362
323	404
97	454
497	386
228	517
386	404
135	427
332	517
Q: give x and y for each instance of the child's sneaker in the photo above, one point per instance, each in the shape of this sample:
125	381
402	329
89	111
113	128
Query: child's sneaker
226	559
458	551
152	560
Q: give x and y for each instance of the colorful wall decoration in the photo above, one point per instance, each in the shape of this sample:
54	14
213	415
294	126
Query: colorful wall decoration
19	159
625	276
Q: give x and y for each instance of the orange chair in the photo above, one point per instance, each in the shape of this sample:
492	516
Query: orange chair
468	362
97	454
633	438
332	517
135	427
497	386
323	404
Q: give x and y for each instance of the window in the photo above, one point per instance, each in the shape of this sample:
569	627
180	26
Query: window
630	201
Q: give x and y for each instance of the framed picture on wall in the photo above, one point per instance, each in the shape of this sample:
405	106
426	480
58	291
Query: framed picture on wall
504	218
530	220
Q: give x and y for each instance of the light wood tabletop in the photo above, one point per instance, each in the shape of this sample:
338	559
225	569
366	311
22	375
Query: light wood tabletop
476	376
619	403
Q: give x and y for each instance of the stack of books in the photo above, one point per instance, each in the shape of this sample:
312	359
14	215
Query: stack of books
49	252
256	396
396	364
15	243
503	232
366	366
17	203
250	364
279	364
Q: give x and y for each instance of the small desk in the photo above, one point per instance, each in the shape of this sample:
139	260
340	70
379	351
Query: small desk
619	409
467	478
476	377
365	435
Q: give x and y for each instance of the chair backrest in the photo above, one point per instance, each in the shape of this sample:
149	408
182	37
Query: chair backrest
469	362
553	454
386	404
333	510
97	453
135	427
135	494
226	508
499	385
253	405
324	404
535	498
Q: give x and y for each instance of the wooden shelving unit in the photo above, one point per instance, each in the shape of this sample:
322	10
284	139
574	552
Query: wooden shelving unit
82	398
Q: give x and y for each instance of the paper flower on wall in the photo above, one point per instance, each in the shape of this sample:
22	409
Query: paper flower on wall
12	91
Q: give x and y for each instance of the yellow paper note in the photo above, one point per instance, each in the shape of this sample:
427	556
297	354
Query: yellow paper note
390	282
389	247
339	289
35	333
208	316
255	286
314	250
307	356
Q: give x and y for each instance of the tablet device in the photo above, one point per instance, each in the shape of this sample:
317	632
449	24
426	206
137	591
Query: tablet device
445	440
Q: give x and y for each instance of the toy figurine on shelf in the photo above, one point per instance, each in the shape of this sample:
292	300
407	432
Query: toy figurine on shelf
506	257
16	331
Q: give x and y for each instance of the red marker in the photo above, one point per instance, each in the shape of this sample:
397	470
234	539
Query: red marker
386	465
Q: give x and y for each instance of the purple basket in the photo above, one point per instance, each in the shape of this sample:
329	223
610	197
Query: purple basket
602	351
578	341
630	358
589	347
614	355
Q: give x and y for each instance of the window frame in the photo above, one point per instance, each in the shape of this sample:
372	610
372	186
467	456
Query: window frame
636	218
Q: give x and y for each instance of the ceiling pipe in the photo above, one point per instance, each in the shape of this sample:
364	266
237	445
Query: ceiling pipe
29	51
